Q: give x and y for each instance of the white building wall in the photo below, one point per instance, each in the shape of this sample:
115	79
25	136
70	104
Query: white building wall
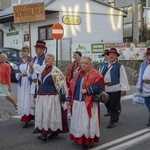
51	44
14	41
94	27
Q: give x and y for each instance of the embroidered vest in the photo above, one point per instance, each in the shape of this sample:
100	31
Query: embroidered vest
115	73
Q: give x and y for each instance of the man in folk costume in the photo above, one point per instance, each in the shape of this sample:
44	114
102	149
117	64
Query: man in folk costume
36	67
73	67
48	113
116	85
101	68
85	119
144	81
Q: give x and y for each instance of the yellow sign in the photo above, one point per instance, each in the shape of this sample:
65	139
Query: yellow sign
29	12
71	20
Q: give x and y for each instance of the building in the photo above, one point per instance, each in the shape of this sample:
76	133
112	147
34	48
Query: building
83	21
3	5
142	17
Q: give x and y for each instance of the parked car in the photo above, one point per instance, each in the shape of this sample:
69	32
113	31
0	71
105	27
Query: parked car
14	56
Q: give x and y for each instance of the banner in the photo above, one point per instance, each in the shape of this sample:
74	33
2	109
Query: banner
129	50
94	50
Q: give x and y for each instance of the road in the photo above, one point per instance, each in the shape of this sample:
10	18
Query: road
130	133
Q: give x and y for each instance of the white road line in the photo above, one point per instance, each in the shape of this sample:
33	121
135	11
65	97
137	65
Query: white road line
17	117
121	139
127	97
130	143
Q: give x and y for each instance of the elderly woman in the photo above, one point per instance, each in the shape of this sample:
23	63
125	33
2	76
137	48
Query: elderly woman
5	79
85	119
48	113
24	100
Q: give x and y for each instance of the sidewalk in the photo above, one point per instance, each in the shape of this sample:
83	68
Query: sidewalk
132	90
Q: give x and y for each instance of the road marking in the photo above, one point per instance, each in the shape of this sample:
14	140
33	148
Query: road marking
17	117
130	143
121	139
127	97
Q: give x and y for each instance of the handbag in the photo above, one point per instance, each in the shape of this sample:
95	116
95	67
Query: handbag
102	97
138	98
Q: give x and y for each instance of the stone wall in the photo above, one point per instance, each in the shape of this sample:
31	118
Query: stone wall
132	68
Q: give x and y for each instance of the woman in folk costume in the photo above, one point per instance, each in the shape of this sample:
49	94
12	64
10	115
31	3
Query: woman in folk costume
85	119
73	67
24	108
48	115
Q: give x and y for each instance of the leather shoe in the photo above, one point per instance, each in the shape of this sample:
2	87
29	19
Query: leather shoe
53	136
111	125
27	125
36	130
42	137
86	147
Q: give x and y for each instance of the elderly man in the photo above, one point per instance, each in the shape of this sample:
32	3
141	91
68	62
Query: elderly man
144	81
116	85
36	67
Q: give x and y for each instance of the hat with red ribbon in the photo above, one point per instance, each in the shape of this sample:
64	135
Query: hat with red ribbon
113	50
41	44
105	52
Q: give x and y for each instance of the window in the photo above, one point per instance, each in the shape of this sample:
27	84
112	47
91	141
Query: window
44	33
148	3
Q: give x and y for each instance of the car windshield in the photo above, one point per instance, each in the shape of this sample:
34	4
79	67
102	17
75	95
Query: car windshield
12	54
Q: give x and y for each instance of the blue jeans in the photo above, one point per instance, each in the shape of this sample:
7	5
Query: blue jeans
147	102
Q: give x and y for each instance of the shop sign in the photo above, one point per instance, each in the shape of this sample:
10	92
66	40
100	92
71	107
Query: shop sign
12	31
97	48
71	20
29	12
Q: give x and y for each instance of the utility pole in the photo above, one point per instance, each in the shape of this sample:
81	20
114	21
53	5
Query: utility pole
135	21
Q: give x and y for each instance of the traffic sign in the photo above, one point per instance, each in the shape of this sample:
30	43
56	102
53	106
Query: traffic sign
57	31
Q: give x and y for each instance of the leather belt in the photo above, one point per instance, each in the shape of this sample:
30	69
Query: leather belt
146	81
34	80
110	84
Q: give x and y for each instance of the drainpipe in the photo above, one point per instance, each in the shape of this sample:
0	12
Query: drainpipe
135	21
2	40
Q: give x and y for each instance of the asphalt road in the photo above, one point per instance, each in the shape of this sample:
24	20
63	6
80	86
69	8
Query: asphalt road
130	133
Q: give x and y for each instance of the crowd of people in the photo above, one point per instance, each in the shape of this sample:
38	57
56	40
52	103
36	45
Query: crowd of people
46	95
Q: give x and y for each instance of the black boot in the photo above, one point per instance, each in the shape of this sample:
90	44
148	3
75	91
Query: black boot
27	125
111	125
35	131
86	147
116	119
42	137
53	135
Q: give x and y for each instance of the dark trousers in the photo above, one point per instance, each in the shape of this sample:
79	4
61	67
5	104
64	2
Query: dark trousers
114	105
147	102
